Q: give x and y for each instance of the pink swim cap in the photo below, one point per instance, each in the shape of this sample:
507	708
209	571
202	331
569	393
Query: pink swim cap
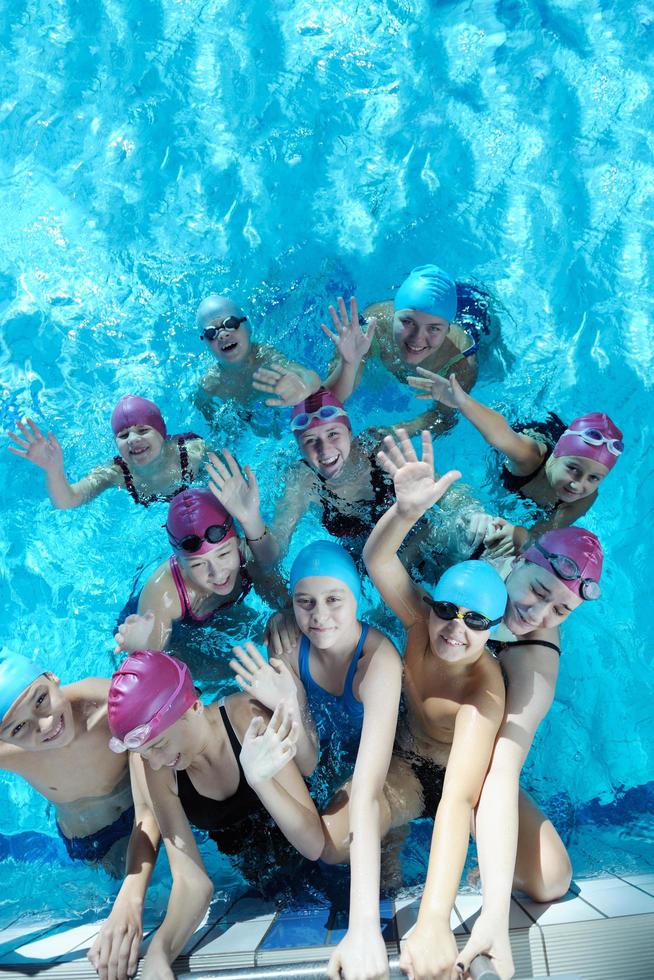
134	410
197	522
148	693
592	436
574	555
321	408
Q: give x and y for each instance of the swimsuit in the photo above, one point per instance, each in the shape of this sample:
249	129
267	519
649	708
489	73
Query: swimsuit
185	602
223	819
186	471
496	646
431	777
353	526
550	432
95	846
334	714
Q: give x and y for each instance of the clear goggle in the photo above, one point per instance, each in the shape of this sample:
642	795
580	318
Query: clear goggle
593	437
327	412
138	736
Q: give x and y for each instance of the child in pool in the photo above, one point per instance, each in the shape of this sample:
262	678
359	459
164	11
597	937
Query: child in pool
340	474
551	579
210	569
56	738
220	767
348	675
244	368
151	465
417	328
563	478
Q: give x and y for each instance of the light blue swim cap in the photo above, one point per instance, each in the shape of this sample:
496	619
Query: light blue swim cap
429	290
215	305
473	585
326	558
16	675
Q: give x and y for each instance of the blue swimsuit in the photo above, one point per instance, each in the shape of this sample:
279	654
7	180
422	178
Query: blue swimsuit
334	714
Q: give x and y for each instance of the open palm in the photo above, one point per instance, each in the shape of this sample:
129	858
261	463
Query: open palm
417	486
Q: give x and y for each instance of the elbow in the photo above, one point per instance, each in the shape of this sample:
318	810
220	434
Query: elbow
314	847
205	892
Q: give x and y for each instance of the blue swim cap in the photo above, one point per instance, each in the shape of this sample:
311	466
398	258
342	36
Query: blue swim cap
474	585
326	558
429	290
16	675
215	305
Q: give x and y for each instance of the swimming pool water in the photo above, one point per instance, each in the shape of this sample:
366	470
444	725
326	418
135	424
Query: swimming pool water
156	151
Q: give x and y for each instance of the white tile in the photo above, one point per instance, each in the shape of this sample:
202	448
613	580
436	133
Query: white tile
571	908
469	906
615	897
24	927
241	937
56	945
646	882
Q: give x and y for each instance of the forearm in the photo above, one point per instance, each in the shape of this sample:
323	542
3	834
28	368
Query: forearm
497	838
365	849
141	857
490	424
300	824
307	744
189	900
309	378
436	421
343	379
385	539
61	492
449	846
262	541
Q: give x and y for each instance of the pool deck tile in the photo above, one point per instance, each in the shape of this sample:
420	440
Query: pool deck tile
615	897
299	929
571	908
231	938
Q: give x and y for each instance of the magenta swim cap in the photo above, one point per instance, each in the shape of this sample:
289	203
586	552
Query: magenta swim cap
134	410
574	555
197	522
148	693
592	436
321	408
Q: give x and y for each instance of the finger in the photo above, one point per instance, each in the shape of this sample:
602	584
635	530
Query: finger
254	728
372	326
217	465
276	403
278	666
342	309
354	311
251	477
406	446
35	429
53	440
445	483
17	452
232	462
387	463
393	451
255	654
423	398
21	442
269	376
243	678
263	386
427	449
421	383
332	336
25	431
429	375
123	956
246	660
336	321
472	948
133	958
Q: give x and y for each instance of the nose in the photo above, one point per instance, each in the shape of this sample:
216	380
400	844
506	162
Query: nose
154	761
319	613
45	723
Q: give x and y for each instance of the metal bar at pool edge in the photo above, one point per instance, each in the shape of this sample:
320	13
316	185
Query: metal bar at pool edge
480	969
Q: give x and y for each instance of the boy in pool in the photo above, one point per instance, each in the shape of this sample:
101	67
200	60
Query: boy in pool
417	328
245	367
56	738
559	468
150	465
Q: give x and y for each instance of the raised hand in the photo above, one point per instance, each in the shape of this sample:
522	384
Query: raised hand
266	749
134	633
287	387
267	682
349	340
416	486
238	493
44	451
448	391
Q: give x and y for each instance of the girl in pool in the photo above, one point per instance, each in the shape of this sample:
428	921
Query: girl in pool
417	328
339	473
558	468
220	767
349	676
556	574
244	368
212	568
150	465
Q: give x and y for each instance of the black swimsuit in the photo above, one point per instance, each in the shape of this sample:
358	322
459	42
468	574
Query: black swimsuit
550	432
496	646
345	525
186	472
221	817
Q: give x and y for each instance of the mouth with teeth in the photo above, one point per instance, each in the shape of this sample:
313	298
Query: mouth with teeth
223	584
57	732
330	465
413	350
173	764
138	452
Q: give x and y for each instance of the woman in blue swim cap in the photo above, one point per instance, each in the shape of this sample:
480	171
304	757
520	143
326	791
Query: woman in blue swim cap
416	328
347	676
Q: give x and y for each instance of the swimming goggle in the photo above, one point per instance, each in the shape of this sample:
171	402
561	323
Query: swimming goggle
568	570
448	611
193	542
229	323
327	412
593	437
144	733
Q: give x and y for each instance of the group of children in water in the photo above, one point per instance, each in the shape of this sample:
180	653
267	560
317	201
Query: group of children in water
440	730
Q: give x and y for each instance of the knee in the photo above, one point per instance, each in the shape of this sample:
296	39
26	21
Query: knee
554	880
332	853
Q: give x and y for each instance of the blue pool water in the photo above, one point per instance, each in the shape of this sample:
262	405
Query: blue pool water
155	151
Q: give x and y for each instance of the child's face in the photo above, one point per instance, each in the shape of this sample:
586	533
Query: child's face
452	641
41	719
537	599
229	346
139	445
325	610
418	335
216	570
574	477
176	747
326	448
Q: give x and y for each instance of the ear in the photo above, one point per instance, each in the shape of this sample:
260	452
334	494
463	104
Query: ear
52	677
197	707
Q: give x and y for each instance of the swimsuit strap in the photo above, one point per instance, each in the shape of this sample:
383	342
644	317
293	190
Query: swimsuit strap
535	643
312	686
233	740
187	472
303	662
180	585
129	480
442	371
348	694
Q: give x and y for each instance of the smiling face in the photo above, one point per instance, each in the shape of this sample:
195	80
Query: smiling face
139	445
177	746
418	335
537	599
325	610
41	719
574	477
326	448
229	346
215	571
454	642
